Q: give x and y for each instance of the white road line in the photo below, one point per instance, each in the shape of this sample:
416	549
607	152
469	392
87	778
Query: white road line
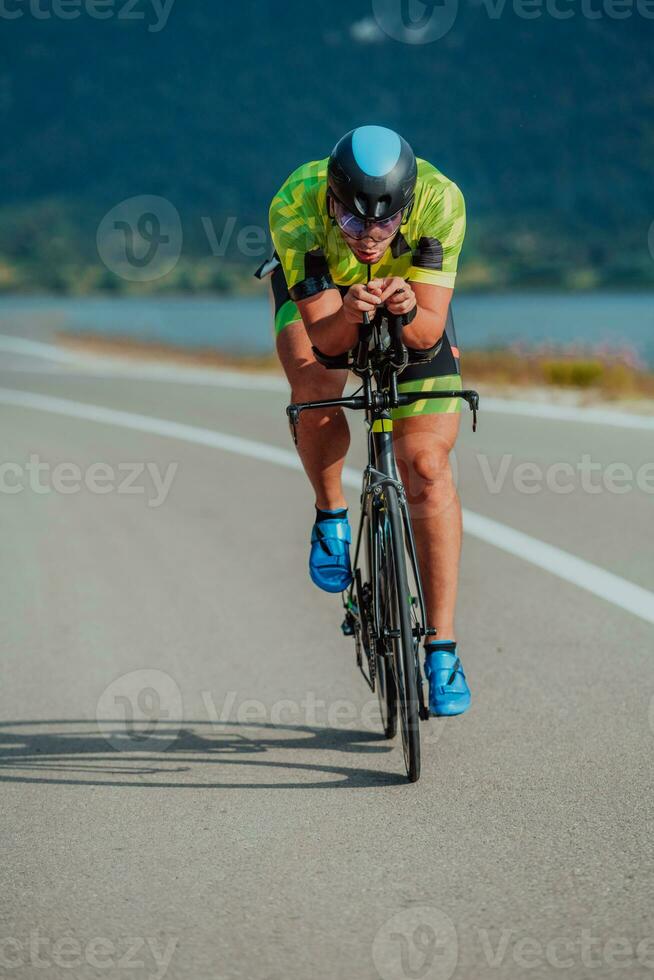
107	367
146	423
104	366
34	348
606	585
615	590
567	413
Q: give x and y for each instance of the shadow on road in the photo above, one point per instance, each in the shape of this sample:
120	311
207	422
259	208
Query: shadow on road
192	755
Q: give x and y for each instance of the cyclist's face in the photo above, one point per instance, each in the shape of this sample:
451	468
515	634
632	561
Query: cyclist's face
367	239
368	250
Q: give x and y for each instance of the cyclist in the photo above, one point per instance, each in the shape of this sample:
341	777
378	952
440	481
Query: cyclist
373	211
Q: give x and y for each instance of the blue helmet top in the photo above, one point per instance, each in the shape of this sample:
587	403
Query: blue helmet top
372	172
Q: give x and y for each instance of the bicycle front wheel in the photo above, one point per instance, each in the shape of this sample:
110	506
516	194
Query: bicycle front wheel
397	630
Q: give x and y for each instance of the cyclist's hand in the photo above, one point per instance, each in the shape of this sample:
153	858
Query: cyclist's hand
398	296
359	299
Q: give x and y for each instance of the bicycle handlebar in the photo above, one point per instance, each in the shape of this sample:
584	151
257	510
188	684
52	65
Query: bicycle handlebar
381	401
397	355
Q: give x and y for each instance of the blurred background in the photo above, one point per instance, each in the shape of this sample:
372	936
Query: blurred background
144	141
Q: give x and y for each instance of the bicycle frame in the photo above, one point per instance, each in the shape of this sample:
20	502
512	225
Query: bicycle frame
373	362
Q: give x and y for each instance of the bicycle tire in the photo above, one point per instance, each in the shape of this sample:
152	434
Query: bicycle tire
404	660
387	695
384	681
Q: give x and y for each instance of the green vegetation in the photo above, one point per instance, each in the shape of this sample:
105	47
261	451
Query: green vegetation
50	247
545	123
615	376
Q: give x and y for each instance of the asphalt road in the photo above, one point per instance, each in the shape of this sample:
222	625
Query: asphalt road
194	784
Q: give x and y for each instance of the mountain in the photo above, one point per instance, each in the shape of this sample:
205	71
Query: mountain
543	113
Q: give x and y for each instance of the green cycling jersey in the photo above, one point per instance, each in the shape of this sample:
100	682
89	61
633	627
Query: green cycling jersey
314	255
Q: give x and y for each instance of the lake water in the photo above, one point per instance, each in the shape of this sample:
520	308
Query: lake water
243	325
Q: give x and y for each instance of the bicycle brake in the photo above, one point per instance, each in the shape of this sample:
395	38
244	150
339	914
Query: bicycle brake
293	420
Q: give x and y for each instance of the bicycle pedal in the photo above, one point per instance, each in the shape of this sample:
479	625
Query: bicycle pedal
347	626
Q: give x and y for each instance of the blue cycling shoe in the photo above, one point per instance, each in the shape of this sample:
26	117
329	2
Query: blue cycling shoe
329	562
449	693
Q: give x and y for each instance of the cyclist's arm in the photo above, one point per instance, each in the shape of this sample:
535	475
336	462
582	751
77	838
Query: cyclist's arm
296	230
433	272
326	324
332	322
431	317
427	303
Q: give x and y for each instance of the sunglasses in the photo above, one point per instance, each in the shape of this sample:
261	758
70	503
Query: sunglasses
355	227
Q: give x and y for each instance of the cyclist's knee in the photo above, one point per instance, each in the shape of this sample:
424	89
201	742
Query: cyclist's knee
426	472
432	466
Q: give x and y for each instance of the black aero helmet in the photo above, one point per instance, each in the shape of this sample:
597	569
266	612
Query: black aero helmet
372	171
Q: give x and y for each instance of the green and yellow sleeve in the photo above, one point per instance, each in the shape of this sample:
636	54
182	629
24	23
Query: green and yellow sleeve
442	227
293	227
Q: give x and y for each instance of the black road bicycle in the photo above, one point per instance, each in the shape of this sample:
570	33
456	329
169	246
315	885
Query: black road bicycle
385	607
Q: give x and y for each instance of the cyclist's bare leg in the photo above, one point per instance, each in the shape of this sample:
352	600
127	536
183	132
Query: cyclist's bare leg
422	446
323	437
